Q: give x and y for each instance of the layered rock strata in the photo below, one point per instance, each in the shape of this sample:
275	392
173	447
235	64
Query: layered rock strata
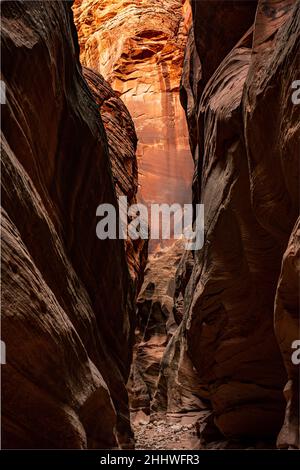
177	388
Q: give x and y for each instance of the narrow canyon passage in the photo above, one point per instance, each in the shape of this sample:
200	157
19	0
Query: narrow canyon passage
139	47
148	50
137	343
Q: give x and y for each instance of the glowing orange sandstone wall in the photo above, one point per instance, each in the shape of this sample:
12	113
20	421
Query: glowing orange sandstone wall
138	47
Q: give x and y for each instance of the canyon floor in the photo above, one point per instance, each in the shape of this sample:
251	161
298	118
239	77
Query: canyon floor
164	435
169	433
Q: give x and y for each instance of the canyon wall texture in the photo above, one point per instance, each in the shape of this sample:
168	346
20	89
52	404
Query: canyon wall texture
155	324
138	47
163	379
122	141
178	385
244	134
217	327
68	299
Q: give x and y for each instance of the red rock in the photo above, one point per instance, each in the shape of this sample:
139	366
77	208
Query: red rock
122	142
244	132
155	325
207	334
177	390
272	133
67	297
218	26
138	47
288	331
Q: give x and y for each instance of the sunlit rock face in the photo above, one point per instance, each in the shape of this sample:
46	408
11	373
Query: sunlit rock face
138	47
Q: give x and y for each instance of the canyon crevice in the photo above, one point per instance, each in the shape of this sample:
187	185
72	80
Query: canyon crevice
161	102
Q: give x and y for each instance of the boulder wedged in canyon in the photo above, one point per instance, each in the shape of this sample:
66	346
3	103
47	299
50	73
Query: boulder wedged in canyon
138	47
245	138
68	300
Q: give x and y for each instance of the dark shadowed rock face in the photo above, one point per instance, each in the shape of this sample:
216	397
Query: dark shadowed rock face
272	133
122	141
287	329
67	297
244	132
217	26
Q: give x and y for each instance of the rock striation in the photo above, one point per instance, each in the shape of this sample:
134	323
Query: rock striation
244	135
138	47
122	142
68	300
286	328
163	380
217	328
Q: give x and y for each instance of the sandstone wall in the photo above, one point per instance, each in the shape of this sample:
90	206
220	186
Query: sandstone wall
67	297
138	47
178	386
155	325
122	142
244	133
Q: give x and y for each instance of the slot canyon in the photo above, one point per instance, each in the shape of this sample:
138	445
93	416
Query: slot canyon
123	344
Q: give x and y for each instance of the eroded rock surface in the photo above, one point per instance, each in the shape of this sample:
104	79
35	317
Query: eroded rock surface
122	141
244	133
155	325
138	47
67	297
177	388
206	334
287	332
